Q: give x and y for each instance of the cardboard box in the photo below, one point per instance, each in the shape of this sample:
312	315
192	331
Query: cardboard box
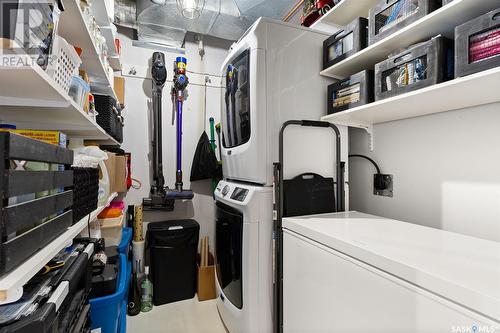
110	166
120	89
120	174
206	272
206	280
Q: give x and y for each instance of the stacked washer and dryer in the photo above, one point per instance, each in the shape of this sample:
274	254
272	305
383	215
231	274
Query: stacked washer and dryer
271	75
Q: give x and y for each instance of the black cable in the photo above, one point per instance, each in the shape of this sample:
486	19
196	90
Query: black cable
369	159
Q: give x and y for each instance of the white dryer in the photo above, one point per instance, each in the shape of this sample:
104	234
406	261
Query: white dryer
243	257
271	75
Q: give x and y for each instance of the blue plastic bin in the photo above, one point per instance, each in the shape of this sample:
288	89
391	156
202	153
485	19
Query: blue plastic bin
123	247
107	312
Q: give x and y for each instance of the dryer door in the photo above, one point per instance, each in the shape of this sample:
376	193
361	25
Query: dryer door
228	252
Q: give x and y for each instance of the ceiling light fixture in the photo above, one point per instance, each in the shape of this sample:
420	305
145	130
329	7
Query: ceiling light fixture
191	9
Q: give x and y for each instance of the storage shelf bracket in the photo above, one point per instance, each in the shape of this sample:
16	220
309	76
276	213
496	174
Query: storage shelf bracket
367	127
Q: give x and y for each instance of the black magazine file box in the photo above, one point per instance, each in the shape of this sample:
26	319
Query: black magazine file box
365	80
377	13
359	30
463	33
439	54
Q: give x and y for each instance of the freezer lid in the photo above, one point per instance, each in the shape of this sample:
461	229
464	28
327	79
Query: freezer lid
460	268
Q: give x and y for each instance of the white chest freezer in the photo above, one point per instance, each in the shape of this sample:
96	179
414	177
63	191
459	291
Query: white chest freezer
353	272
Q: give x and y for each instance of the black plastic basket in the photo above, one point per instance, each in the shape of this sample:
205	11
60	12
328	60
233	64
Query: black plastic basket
422	65
390	16
107	113
27	224
352	92
86	190
346	42
477	44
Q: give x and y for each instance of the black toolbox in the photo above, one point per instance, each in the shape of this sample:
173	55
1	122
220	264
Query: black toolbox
422	65
390	16
172	248
28	226
477	44
346	42
66	309
352	92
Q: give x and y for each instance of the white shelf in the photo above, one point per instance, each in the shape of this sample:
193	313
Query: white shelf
345	12
473	90
11	284
101	11
31	99
442	21
73	28
113	57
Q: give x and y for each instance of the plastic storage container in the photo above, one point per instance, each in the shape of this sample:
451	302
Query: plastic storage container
109	312
64	64
111	230
123	247
477	44
390	16
79	90
172	247
346	42
352	92
422	65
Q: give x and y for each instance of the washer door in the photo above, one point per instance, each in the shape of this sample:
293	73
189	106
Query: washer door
228	252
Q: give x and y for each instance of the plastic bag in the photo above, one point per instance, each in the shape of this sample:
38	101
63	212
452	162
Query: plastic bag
204	161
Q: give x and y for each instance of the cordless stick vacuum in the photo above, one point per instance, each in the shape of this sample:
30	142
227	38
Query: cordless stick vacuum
178	95
162	197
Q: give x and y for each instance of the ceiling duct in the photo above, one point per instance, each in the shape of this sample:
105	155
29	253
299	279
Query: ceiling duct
227	19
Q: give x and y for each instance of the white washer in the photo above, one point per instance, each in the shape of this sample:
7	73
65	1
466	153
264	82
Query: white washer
243	254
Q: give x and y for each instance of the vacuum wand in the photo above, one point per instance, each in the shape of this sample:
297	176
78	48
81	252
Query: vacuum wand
180	83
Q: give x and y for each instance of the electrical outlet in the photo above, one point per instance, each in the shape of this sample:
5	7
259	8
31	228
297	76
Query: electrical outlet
383	185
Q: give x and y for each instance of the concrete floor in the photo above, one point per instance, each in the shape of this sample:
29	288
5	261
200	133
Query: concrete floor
188	316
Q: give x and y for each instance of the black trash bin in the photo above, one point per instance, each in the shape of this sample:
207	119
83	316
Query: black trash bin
172	248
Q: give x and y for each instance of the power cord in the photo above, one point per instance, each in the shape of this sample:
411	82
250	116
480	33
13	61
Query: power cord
369	159
380	182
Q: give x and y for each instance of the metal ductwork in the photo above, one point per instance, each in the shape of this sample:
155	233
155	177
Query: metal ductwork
226	19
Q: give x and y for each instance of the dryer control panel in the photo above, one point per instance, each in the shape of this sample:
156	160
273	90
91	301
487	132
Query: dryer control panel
239	194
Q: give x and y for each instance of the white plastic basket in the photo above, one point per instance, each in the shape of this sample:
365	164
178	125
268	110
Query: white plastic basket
63	63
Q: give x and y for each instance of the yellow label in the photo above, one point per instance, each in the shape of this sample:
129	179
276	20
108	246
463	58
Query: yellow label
52	137
181	65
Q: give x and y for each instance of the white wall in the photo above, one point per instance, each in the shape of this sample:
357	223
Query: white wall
136	132
446	171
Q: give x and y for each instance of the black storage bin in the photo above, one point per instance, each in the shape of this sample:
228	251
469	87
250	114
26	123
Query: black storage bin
445	2
390	16
172	248
85	192
420	66
477	44
29	224
109	115
308	194
351	92
346	42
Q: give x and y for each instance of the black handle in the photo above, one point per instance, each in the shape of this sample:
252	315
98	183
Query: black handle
496	17
314	123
